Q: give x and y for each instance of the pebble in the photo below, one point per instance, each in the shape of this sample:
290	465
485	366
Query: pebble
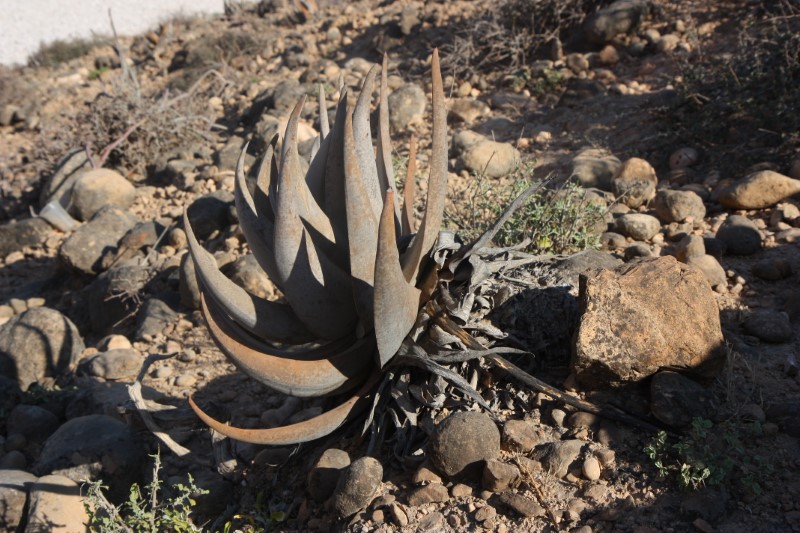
769	325
14	236
31	421
485	157
683	157
523	505
357	486
679	206
425	475
55	504
462	441
13	460
710	267
83	250
98	188
460	490
13	496
324	474
397	514
594	168
636	250
95	447
758	190
638	226
740	235
591	469
38	344
185	380
433	492
498	476
115	365
635	182
521	435
406	106
559	456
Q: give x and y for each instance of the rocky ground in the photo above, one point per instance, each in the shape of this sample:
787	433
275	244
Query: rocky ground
686	319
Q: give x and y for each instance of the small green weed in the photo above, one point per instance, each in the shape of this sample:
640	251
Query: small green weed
555	221
96	73
262	518
143	512
710	455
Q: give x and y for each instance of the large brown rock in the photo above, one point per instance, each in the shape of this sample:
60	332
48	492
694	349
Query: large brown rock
760	189
641	317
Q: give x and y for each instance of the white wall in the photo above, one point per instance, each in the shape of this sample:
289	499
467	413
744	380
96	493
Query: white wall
24	24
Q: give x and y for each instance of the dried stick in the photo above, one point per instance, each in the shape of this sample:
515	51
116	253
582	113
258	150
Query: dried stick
135	393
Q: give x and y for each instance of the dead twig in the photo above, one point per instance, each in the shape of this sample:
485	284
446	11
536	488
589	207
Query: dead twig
135	393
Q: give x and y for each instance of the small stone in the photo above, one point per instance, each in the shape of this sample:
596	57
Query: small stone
121	364
13	460
185	380
758	190
635	182
498	476
711	269
636	250
679	206
772	269
606	456
753	412
377	516
558	416
486	512
98	188
486	157
114	342
84	249
769	325
638	226
431	522
521	435
397	515
558	457
433	492
154	316
324	475
594	168
357	486
406	106
740	235
620	17
683	157
13	496
425	475
467	110
37	344
56	505
668	43
33	422
95	447
690	246
462	441
460	490
591	469
522	504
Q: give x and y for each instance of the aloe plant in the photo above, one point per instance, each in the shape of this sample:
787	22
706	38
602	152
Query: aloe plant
364	292
338	246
